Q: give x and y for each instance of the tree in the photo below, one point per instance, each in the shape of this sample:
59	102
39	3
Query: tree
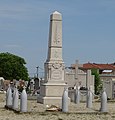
97	83
12	67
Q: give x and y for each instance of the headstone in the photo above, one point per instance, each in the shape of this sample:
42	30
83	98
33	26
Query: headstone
65	100
37	81
1	83
77	95
103	101
32	85
9	97
52	87
23	101
15	99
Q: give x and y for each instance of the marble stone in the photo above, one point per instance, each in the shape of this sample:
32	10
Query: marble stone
51	89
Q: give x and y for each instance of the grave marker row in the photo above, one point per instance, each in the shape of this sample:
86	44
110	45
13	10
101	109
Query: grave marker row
89	100
12	99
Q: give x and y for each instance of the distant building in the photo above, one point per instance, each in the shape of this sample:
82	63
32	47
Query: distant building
80	75
103	68
107	76
76	75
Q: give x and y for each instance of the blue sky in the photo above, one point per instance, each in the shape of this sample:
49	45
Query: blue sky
88	30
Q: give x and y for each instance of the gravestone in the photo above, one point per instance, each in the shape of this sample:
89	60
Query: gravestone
32	85
37	81
52	87
1	83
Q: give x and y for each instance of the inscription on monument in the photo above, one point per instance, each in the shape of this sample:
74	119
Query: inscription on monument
56	74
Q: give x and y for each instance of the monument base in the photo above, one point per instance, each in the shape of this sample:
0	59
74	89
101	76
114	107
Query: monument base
51	93
50	100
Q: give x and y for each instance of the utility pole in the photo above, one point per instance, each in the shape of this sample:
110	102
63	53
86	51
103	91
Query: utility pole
37	70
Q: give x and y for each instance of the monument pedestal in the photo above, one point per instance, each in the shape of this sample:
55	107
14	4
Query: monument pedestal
51	93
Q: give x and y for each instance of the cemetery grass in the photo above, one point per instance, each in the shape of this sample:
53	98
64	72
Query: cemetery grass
38	111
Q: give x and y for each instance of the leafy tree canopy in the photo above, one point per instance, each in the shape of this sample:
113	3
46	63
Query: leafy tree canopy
12	67
98	84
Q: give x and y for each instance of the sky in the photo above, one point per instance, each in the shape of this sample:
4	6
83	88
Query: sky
88	30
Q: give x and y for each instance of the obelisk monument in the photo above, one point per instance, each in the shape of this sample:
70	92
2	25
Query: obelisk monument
52	87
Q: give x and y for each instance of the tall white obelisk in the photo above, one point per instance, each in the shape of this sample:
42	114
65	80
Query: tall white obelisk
52	87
